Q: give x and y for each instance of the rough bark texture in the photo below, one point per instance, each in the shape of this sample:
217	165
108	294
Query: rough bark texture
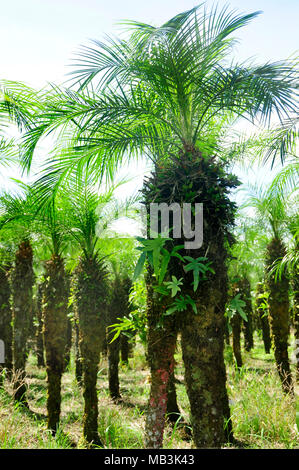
161	342
54	331
279	314
91	304
262	314
295	285
39	329
21	283
236	329
193	178
247	325
5	321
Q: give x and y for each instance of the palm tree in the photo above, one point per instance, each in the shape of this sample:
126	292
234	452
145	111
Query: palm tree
271	208
50	228
169	92
90	215
122	266
15	221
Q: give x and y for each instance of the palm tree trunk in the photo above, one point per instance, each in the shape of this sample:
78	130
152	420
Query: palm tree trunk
295	282
124	348
202	345
78	363
247	325
263	319
192	178
91	294
69	330
22	282
279	314
113	347
236	329
113	363
54	330
5	321
39	329
125	345
161	343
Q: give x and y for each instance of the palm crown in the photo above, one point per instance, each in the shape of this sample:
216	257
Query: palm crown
159	90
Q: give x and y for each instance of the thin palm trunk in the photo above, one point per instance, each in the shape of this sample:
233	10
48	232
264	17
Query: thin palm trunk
295	282
78	362
247	325
126	347
21	282
263	319
113	347
39	329
236	330
69	328
279	314
54	331
5	321
91	295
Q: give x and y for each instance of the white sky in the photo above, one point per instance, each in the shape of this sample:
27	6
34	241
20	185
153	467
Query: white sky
39	37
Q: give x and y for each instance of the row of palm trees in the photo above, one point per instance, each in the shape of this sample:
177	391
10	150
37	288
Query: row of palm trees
68	225
171	93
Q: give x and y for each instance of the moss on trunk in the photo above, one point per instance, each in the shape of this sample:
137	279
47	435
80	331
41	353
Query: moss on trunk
5	320
279	314
91	304
54	331
21	283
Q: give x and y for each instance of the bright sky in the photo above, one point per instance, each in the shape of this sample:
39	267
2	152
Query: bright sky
39	37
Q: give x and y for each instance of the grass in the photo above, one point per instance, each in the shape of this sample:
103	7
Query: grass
262	416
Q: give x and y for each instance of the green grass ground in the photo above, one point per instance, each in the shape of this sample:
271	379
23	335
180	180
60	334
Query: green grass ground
262	416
